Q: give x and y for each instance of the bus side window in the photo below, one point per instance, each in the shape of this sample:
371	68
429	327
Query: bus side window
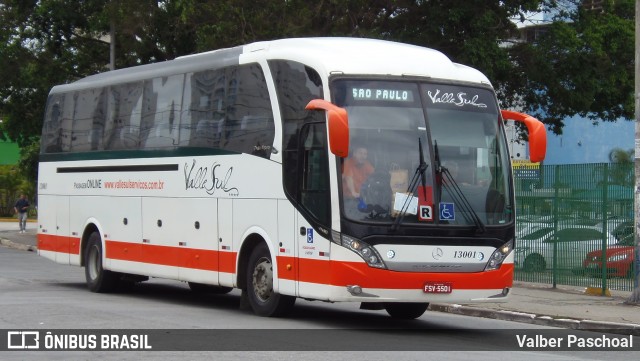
124	116
249	124
296	85
66	122
88	121
51	141
204	109
314	187
161	107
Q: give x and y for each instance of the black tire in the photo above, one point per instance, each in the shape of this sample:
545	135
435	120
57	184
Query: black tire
405	310
98	279
262	299
534	263
203	288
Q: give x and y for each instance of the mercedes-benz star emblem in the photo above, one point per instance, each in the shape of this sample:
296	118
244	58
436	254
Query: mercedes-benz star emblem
437	253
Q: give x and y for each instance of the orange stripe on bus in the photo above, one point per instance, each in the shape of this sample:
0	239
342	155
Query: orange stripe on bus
338	273
61	244
326	272
208	260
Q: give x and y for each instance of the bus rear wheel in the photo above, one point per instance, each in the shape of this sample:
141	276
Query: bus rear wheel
405	310
98	279
262	299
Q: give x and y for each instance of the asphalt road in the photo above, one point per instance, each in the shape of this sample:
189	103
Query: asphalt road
37	294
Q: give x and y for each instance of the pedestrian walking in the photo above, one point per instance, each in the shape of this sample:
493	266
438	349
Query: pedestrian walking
22	208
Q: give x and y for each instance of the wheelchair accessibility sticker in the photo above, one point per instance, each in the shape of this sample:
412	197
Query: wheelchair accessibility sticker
447	211
309	235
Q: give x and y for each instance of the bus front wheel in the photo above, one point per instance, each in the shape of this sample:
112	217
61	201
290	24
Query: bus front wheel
405	310
98	279
262	299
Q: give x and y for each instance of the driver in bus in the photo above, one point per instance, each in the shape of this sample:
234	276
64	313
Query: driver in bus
356	169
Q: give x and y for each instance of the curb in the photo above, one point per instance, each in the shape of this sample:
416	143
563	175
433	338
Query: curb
20	246
544	320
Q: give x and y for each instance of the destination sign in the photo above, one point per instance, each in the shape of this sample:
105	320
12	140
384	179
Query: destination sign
382	94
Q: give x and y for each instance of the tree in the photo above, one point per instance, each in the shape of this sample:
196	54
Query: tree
621	169
581	65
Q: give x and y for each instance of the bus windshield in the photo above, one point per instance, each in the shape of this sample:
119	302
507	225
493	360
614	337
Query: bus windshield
466	179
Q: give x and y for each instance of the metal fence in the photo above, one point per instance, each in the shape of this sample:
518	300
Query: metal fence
575	225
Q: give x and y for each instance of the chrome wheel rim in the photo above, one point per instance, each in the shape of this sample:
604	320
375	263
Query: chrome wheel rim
263	279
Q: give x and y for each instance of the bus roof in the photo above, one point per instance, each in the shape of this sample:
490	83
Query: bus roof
361	56
353	56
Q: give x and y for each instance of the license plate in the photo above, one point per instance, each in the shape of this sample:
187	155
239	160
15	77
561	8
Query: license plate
437	287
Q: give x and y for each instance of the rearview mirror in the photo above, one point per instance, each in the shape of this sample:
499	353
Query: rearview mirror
537	133
338	124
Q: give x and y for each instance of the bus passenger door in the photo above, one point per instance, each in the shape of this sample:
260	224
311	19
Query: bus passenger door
315	201
313	260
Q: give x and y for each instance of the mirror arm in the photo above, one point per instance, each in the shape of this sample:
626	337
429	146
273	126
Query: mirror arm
537	133
338	124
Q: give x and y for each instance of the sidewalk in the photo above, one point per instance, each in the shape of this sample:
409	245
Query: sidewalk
564	307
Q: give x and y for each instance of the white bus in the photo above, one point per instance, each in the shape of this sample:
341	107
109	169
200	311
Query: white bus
245	168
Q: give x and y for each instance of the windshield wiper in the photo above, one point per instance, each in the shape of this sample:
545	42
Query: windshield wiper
458	196
420	172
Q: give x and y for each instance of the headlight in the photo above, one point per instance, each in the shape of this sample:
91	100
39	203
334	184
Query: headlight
618	257
498	256
368	253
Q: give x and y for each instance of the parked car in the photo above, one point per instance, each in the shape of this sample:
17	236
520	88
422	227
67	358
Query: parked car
623	230
534	252
619	260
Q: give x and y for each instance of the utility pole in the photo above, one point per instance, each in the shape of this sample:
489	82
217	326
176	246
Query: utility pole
112	46
635	296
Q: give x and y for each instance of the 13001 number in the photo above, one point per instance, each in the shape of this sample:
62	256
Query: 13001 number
464	254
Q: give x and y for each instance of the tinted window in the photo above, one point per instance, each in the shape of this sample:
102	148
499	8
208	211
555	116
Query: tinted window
315	170
227	108
248	127
205	108
296	84
88	120
122	129
51	131
161	107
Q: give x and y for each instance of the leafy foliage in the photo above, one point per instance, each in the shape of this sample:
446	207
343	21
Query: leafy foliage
582	65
